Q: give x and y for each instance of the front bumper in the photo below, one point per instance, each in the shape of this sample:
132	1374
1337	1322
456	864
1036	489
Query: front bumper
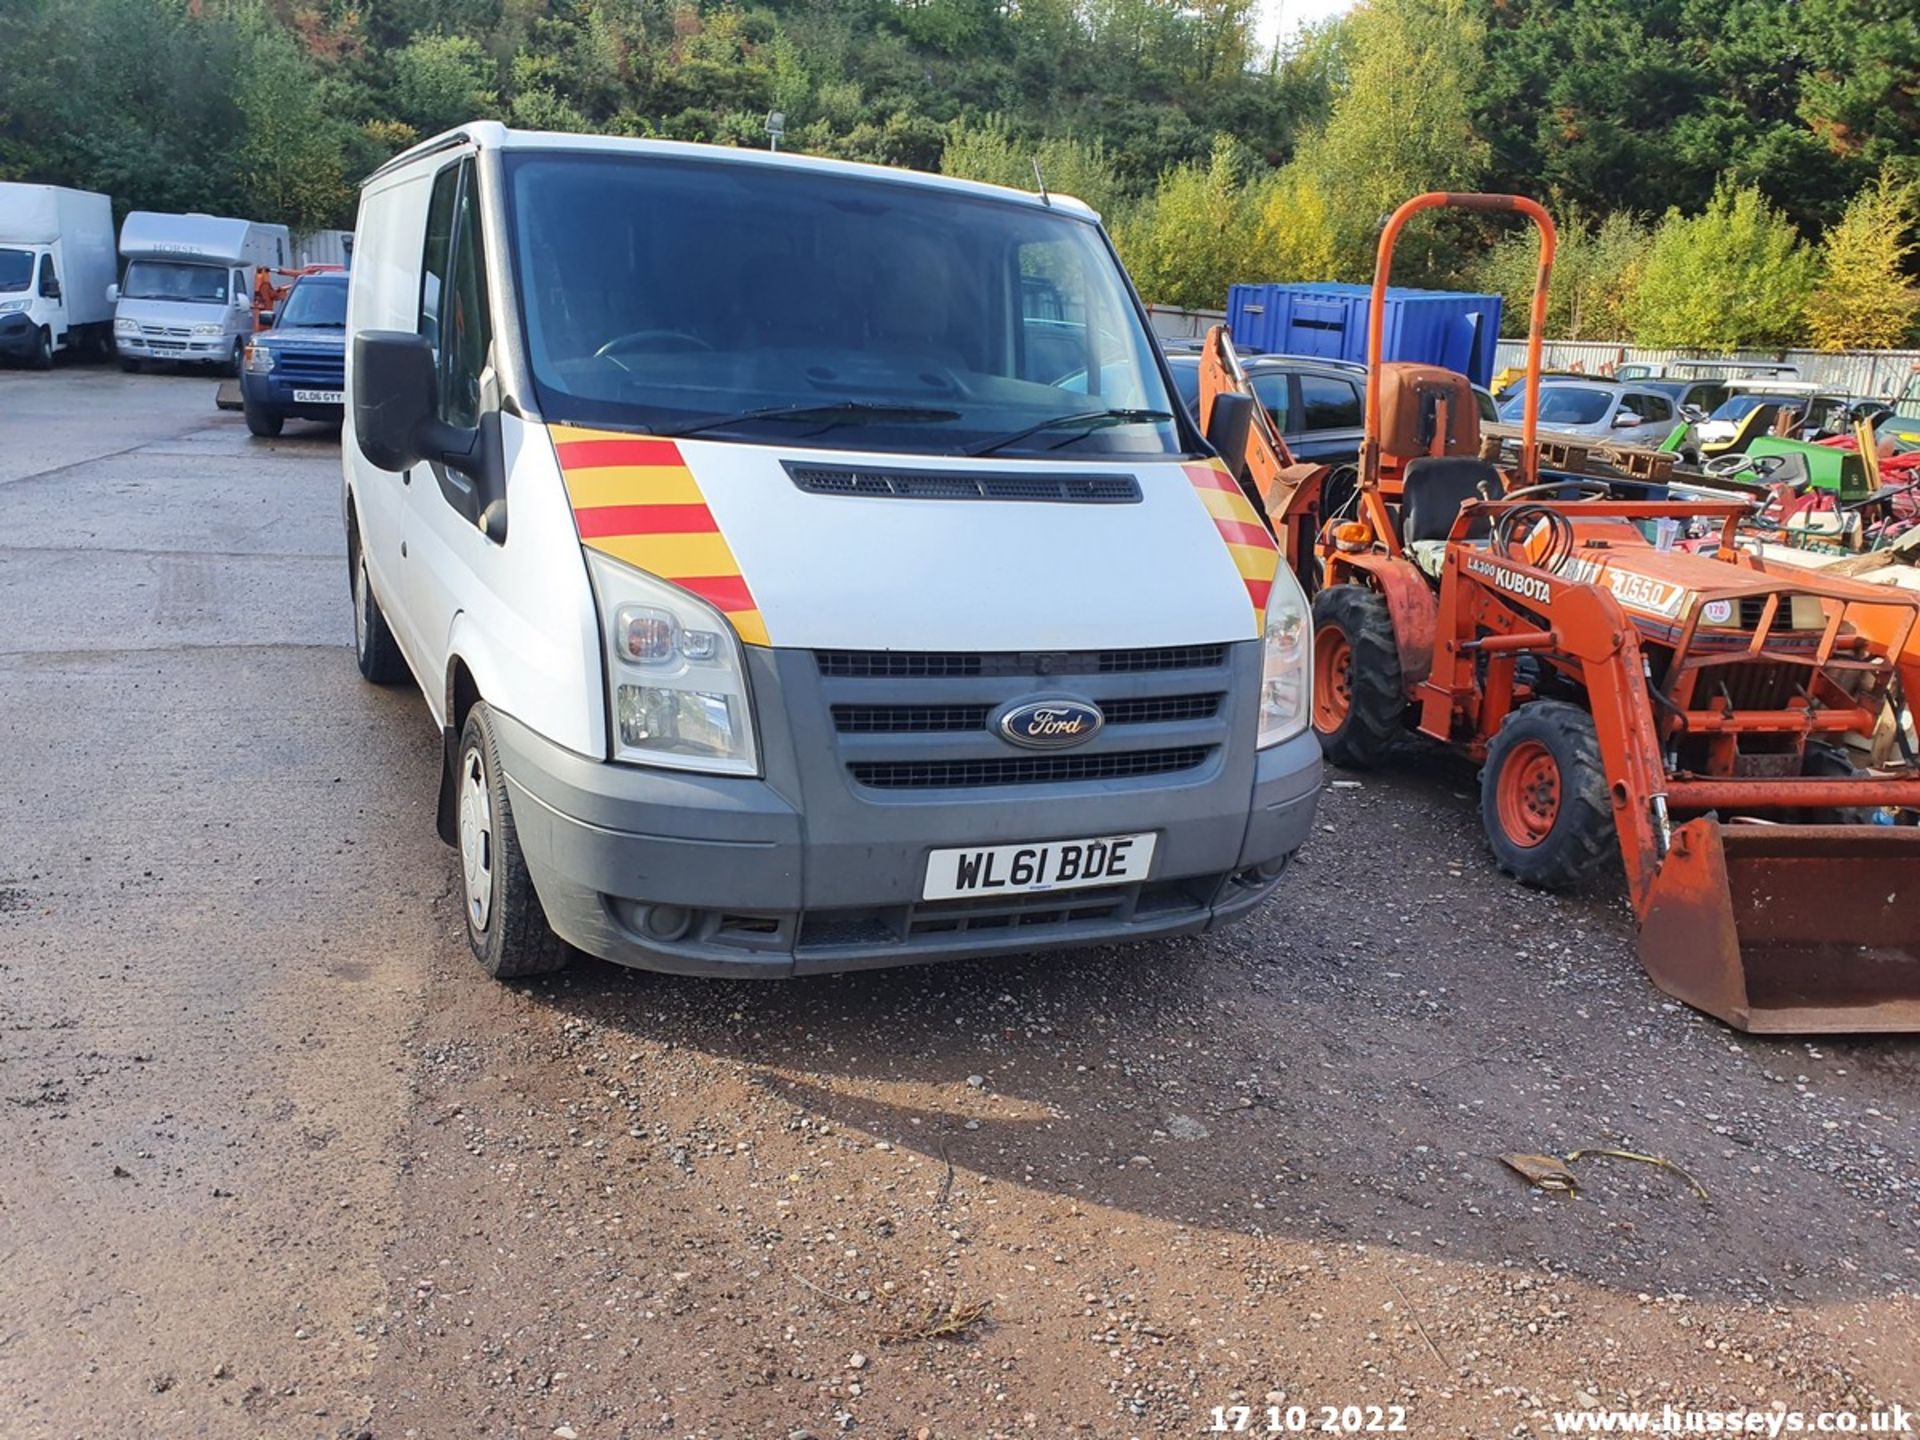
18	335
708	875
275	397
215	351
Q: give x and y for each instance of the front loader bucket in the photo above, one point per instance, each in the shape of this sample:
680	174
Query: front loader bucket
1789	929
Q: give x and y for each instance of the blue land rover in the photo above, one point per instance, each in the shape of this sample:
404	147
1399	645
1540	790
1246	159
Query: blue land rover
296	368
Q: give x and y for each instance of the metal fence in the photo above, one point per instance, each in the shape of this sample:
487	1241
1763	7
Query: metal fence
1864	373
1170	323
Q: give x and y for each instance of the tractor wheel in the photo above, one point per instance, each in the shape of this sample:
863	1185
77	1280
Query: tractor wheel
1543	798
1359	700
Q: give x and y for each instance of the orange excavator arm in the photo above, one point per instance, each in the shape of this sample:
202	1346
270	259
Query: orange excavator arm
1288	491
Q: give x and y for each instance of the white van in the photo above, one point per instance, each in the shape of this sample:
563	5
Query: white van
808	564
56	267
187	294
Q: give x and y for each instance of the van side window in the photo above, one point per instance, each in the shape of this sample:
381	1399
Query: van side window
453	293
49	282
468	328
433	265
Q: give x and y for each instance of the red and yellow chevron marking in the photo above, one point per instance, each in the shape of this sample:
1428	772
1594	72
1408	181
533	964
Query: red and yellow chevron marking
1255	555
635	499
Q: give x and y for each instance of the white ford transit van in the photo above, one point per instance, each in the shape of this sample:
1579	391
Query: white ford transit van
808	564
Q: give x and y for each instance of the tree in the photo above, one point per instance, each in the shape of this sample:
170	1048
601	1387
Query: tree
1735	276
1864	299
1193	236
440	81
990	152
1595	273
1402	125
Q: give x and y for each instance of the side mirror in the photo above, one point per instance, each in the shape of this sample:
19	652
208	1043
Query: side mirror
266	319
1228	427
113	294
393	398
50	290
396	423
242	300
1626	419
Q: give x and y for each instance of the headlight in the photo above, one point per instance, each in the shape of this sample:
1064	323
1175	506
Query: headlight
677	672
206	332
1286	662
8	307
126	327
259	360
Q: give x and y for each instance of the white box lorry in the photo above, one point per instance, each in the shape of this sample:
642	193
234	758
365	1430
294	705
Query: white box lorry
187	293
56	269
790	598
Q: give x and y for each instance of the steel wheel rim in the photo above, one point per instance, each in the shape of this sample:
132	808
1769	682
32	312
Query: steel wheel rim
476	840
1527	794
1332	679
362	593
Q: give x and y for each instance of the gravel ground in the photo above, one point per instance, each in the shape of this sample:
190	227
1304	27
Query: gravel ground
285	1163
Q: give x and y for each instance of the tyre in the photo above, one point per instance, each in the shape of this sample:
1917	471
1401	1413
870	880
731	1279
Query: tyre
506	928
1543	798
1359	699
42	357
262	422
237	360
374	649
130	365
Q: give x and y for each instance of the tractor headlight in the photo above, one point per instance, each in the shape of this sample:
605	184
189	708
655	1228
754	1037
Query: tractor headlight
1286	661
677	674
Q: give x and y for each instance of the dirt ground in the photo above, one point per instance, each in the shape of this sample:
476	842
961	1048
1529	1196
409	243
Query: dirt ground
283	1162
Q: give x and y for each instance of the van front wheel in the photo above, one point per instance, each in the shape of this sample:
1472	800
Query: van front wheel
506	928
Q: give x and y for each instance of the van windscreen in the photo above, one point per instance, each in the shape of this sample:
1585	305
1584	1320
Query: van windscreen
175	280
787	306
16	269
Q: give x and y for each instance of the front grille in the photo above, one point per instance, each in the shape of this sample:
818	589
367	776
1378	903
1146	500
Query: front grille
323	369
1025	769
950	719
963	485
1160	709
908	719
959	664
178	332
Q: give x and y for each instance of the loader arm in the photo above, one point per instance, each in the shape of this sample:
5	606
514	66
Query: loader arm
1289	491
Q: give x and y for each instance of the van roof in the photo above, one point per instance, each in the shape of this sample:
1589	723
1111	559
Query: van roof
492	135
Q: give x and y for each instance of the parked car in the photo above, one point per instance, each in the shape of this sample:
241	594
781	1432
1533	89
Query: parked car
295	369
1599	410
1318	406
1697	399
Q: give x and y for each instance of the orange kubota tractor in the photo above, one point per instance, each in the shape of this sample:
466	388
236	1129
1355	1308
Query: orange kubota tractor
1705	717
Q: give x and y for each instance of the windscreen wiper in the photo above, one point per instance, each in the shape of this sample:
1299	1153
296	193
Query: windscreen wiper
839	412
1090	420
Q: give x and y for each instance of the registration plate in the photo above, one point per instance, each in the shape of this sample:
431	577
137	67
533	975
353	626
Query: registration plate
1040	865
317	397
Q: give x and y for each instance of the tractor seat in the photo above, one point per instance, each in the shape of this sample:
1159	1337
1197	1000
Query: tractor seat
1434	489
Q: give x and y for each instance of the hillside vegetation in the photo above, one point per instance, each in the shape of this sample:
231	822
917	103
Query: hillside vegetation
1729	172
